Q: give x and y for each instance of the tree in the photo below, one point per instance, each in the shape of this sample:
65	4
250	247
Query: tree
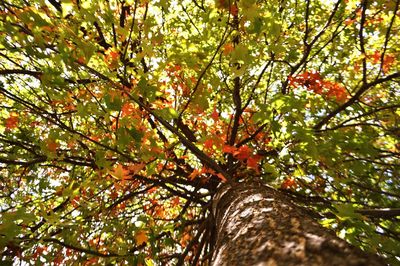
141	132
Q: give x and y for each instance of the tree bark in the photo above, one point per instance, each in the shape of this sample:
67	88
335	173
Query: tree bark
257	225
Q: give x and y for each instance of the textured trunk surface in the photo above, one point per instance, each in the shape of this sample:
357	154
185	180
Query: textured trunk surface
256	225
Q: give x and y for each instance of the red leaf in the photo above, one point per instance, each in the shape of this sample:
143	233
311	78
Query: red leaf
208	144
252	162
113	55
234	10
12	121
243	153
228	149
376	56
314	82
81	60
215	115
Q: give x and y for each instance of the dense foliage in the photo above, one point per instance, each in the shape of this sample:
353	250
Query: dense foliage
120	118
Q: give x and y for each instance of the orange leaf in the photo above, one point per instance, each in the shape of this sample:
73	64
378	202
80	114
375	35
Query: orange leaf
175	201
112	58
222	177
127	109
387	62
52	145
185	239
136	168
141	237
194	174
349	21
228	48
289	183
119	172
92	261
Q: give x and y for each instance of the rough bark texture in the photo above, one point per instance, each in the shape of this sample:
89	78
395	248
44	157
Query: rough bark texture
256	225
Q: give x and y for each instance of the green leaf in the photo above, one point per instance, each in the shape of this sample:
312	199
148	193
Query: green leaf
113	102
346	211
240	53
124	137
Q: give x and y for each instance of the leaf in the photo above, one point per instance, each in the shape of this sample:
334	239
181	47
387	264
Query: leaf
227	49
208	144
243	153
136	168
194	174
250	9
228	149
240	53
124	137
148	91
215	115
289	183
119	172
346	211
136	135
67	7
141	237
12	121
113	101
128	109
271	171
75	86
257	26
252	161
52	145
172	113
222	177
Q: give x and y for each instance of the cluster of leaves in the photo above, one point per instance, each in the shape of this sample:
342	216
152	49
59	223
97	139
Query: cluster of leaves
313	81
119	119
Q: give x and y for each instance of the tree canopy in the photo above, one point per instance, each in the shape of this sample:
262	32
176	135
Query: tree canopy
119	120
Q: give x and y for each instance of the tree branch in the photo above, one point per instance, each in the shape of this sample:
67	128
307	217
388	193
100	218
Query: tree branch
380	213
353	99
206	160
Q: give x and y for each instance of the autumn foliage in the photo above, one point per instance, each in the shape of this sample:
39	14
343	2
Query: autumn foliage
312	81
120	121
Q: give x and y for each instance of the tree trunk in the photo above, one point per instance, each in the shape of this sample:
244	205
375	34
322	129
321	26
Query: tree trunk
256	225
